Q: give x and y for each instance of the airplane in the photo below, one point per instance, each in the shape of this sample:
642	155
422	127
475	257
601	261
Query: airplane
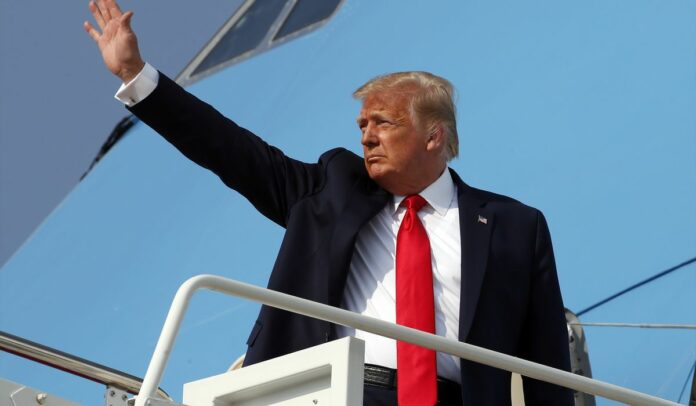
584	111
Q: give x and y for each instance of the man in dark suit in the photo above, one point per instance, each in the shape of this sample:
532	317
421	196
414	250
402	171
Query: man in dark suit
491	274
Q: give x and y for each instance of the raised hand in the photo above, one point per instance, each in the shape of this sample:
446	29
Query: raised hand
117	41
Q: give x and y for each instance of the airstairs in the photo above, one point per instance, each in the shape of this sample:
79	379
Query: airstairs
328	374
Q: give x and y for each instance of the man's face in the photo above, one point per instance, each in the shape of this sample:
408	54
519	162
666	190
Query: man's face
395	148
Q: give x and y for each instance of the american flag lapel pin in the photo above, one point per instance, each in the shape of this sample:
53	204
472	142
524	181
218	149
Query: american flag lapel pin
482	219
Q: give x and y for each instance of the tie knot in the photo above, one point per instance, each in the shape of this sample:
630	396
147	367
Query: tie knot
415	202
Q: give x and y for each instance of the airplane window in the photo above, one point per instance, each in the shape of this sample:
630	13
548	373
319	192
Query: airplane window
257	26
245	35
306	13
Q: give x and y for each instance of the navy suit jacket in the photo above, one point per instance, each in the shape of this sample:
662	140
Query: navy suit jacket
510	297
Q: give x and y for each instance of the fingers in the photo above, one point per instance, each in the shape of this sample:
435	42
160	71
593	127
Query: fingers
91	31
106	12
113	8
126	20
96	13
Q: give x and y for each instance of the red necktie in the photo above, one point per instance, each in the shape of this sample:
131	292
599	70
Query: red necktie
416	366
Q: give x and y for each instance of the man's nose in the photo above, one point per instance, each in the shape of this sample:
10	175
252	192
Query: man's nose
369	137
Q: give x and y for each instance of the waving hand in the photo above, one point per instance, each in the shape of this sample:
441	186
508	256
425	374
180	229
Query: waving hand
117	41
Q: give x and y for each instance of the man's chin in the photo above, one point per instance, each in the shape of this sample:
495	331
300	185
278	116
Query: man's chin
375	171
380	177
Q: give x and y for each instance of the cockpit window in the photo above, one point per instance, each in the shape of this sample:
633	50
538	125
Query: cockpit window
258	25
244	35
306	13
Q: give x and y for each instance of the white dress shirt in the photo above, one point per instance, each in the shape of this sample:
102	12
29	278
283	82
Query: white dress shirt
371	284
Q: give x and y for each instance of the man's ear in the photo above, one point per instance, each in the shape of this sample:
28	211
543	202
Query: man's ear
436	138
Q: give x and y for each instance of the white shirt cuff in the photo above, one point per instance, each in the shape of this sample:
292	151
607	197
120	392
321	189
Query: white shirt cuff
139	88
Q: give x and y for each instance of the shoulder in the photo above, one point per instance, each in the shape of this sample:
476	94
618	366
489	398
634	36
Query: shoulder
342	157
503	202
501	205
343	170
342	162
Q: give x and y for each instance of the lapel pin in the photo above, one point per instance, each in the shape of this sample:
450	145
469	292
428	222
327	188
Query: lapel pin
482	219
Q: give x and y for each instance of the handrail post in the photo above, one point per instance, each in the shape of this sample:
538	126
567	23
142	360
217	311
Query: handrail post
160	356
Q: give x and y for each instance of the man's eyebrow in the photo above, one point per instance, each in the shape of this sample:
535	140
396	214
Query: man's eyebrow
377	114
370	115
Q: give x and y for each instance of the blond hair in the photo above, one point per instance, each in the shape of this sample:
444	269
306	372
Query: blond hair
431	105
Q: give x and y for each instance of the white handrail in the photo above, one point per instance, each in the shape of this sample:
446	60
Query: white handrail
372	325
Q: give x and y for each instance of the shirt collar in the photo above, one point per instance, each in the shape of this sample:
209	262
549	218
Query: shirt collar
438	195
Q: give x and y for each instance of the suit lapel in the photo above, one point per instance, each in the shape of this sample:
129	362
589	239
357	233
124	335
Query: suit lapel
476	223
365	201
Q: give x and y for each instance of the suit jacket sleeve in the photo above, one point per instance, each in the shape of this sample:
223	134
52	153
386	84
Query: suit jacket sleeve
545	335
262	173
